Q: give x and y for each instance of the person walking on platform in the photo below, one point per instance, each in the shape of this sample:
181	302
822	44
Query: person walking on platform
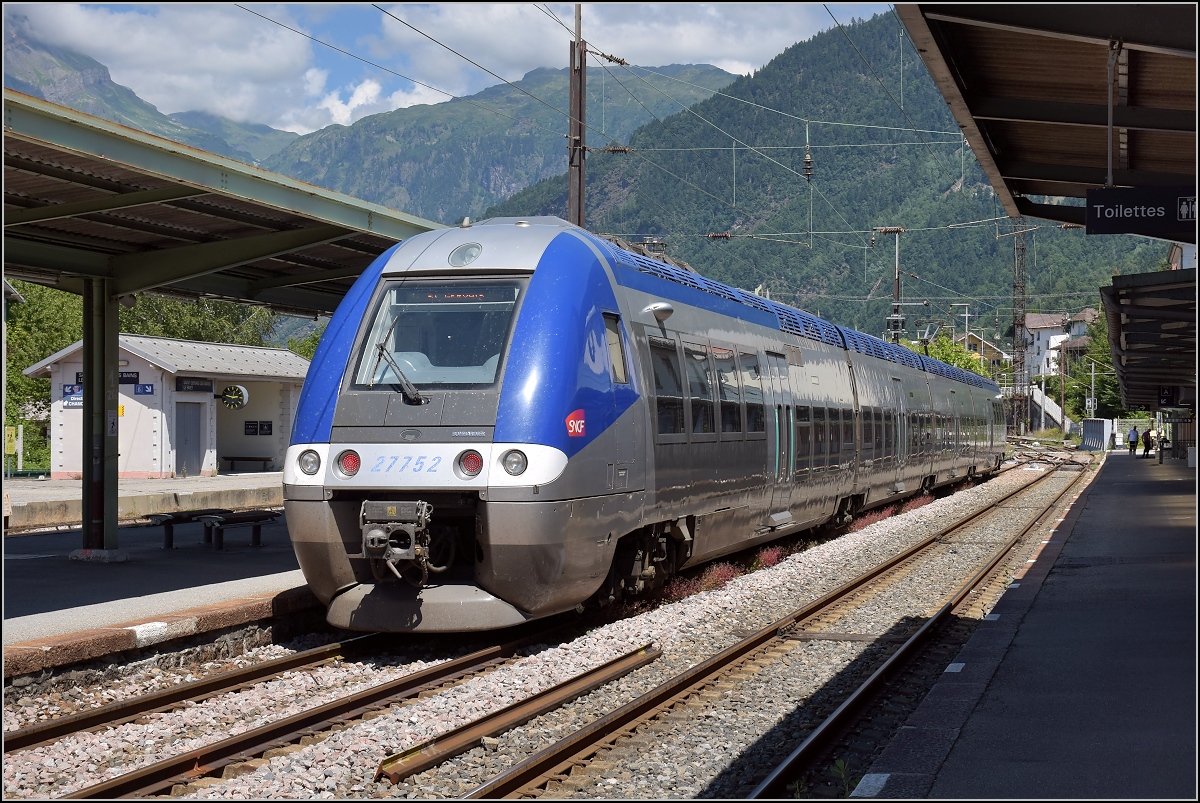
1147	442
1133	442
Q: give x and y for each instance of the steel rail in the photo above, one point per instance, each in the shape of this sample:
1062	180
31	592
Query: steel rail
124	711
775	784
441	748
180	769
560	756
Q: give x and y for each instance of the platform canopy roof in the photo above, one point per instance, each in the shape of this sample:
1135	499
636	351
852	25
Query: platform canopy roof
84	197
1029	86
1152	334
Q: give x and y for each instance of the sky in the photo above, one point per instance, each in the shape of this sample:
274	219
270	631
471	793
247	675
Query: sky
241	63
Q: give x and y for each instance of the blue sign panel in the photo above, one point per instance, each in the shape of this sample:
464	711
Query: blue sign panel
143	390
72	397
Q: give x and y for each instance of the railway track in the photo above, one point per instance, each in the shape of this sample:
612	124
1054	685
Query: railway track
128	710
243	753
819	740
212	759
544	772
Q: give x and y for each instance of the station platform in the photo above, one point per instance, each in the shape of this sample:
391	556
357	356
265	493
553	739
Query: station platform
59	611
31	504
1082	682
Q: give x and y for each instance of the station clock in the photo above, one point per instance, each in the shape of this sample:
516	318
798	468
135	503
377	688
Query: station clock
234	397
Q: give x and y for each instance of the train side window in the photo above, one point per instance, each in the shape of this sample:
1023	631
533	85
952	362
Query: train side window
803	440
728	389
820	437
848	431
668	385
878	415
756	419
889	434
700	389
914	433
835	436
616	349
868	432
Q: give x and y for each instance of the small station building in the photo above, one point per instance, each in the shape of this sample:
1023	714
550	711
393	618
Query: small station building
186	408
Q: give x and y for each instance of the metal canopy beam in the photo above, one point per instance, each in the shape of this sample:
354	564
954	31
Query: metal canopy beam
135	273
1134	118
37	121
1167	32
122	201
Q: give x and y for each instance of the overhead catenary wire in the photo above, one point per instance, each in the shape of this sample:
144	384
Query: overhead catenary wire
880	80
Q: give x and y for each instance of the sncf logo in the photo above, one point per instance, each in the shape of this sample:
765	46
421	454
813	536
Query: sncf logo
575	424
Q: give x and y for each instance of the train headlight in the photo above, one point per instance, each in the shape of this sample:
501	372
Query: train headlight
348	463
309	462
514	462
470	463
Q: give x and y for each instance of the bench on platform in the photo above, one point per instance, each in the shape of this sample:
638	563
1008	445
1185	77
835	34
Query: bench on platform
216	523
233	461
169	520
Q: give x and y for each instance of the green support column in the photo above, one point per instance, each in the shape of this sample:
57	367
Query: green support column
101	326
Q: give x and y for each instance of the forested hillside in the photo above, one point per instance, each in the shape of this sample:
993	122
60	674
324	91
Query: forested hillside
683	181
455	159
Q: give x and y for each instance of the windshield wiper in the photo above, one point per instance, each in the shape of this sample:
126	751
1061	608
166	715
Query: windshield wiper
407	388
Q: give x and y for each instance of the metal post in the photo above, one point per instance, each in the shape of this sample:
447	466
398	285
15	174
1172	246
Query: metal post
100	422
1020	374
1062	389
1042	425
575	140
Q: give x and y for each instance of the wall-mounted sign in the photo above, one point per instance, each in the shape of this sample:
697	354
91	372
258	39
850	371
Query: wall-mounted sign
251	428
188	384
72	396
123	377
1157	211
143	390
264	427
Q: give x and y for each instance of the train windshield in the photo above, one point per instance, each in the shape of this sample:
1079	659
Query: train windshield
445	334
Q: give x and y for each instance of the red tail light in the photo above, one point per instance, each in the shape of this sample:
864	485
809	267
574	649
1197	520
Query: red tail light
471	463
349	463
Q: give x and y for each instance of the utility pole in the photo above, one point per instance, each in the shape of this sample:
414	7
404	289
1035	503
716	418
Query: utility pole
895	321
1062	388
966	324
1020	373
576	148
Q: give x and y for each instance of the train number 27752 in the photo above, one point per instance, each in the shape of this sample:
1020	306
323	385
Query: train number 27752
394	462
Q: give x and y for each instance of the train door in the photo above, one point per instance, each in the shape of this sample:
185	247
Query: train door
782	437
895	424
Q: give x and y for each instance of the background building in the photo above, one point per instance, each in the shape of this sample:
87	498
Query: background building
185	407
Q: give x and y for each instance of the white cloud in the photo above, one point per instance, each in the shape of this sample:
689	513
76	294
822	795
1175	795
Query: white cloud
314	81
221	59
365	95
184	57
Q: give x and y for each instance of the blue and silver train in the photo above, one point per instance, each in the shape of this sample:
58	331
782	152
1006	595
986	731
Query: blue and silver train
514	418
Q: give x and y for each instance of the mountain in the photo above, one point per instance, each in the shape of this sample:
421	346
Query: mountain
682	182
79	82
454	159
258	140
